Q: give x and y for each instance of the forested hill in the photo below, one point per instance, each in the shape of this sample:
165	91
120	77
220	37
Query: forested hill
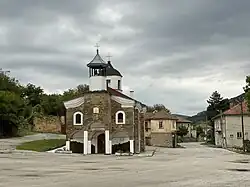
201	116
182	116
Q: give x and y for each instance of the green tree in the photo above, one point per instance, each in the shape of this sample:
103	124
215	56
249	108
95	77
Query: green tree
51	104
216	105
247	91
157	107
182	131
82	88
12	106
32	94
199	131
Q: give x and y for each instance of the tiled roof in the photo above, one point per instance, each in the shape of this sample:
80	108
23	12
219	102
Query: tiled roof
74	103
119	94
183	120
123	98
148	115
163	114
236	110
123	101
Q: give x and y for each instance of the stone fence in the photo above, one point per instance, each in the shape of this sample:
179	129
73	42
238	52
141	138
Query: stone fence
49	124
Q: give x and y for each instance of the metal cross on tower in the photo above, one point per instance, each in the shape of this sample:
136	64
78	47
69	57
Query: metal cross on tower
109	56
97	46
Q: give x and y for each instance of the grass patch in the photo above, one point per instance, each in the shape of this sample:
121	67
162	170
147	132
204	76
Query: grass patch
42	145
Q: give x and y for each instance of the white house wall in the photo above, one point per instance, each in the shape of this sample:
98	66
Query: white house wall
167	125
233	125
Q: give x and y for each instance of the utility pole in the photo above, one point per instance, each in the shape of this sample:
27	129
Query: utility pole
206	129
242	124
240	101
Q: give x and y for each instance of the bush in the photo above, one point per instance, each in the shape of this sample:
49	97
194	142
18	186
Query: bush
247	145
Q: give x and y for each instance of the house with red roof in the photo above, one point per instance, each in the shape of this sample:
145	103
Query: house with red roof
228	126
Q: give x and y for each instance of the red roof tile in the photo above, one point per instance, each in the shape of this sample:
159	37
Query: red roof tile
236	110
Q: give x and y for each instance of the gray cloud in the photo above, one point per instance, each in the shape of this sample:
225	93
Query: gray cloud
171	52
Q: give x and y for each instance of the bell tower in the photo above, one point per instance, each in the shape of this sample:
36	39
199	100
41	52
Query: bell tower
97	73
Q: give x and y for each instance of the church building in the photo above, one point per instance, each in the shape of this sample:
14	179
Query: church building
104	120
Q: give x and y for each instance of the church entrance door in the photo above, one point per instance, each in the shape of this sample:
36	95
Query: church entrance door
101	143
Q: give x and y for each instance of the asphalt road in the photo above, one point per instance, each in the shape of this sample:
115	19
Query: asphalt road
193	166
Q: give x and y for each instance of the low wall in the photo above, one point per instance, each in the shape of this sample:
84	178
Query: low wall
162	139
49	124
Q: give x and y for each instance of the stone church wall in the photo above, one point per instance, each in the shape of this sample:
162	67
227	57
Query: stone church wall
100	100
70	128
128	126
134	121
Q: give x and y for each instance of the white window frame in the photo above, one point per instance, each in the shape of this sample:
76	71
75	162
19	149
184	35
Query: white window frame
116	117
239	133
96	110
74	118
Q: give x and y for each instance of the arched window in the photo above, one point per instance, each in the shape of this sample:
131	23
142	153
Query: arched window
78	118
120	117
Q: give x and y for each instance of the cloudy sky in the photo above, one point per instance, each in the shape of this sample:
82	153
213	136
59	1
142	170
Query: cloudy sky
171	52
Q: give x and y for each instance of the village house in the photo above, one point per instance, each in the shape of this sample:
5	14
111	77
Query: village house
104	120
160	129
228	126
188	124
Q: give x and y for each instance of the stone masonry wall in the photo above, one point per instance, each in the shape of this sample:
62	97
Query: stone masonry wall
161	139
69	121
128	126
142	132
100	100
49	124
136	131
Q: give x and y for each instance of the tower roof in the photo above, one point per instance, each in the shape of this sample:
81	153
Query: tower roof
97	61
111	71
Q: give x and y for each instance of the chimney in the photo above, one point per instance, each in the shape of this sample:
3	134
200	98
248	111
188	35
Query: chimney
131	94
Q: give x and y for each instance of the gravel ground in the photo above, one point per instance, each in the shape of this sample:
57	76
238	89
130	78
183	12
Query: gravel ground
193	166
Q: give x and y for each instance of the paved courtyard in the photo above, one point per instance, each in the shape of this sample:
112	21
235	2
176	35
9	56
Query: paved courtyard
193	166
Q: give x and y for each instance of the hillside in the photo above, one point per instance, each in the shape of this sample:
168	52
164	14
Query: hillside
201	116
182	116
